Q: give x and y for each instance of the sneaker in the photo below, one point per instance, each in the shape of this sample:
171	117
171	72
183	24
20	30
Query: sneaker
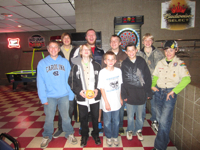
100	127
101	130
72	139
154	125
45	142
139	135
129	135
109	142
116	141
97	140
84	140
57	134
121	130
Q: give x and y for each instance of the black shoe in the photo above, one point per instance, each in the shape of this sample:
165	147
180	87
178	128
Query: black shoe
57	134
121	130
154	149
101	130
84	140
97	140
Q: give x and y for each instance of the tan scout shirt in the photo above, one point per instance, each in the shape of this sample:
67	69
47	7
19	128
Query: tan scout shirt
170	75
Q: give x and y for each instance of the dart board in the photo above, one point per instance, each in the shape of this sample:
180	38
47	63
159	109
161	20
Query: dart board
128	35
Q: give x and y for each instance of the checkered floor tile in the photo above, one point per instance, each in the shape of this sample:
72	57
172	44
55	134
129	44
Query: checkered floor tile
22	116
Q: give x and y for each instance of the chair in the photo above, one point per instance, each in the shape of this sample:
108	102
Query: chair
4	145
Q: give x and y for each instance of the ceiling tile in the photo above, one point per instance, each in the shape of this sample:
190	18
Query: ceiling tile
57	20
44	10
70	19
31	2
64	26
74	25
27	22
41	28
23	11
54	27
57	1
28	29
10	22
64	9
4	25
41	21
9	3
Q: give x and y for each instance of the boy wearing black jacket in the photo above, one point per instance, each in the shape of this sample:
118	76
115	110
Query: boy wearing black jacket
136	88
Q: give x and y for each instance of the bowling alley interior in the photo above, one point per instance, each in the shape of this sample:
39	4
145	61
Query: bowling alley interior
26	27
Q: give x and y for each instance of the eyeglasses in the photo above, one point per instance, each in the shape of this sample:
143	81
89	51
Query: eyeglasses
56	47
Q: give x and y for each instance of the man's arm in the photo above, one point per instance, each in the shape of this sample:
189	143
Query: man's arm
107	105
41	85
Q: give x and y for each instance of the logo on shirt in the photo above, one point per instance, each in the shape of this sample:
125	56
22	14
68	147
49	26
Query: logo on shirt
55	73
182	64
114	85
175	64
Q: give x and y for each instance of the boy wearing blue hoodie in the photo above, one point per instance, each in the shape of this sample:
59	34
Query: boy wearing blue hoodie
54	90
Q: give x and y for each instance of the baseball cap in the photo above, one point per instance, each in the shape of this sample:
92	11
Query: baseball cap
170	44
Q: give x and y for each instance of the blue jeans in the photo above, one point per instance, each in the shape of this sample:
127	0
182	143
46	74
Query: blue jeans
50	109
111	123
153	108
144	111
121	115
164	116
138	110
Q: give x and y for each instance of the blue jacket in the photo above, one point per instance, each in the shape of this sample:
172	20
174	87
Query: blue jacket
52	78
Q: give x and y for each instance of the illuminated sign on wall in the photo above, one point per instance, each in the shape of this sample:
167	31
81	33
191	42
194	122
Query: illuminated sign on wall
13	43
36	41
178	15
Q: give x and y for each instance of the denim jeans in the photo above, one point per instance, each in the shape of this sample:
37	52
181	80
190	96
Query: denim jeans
121	115
164	116
153	108
50	109
71	110
111	123
138	110
144	111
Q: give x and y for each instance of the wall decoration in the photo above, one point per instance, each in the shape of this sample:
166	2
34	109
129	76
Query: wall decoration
36	41
13	43
178	14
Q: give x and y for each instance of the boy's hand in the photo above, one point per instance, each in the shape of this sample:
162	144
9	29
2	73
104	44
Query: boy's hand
121	101
107	106
46	103
82	93
170	94
95	93
154	89
125	99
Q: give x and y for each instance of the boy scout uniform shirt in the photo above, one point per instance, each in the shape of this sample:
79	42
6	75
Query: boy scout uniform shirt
170	75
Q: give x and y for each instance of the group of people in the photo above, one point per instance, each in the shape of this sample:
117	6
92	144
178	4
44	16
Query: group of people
116	78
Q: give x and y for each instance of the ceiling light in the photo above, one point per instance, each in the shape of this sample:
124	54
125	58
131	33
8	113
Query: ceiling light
6	14
19	26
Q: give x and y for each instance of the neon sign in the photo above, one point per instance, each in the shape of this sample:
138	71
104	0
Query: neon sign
13	43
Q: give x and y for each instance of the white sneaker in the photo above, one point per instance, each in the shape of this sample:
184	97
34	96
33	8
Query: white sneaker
72	139
139	135
154	125
45	142
116	141
129	135
109	141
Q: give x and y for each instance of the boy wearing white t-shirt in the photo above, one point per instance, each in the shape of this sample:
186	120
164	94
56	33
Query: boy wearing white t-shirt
110	80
